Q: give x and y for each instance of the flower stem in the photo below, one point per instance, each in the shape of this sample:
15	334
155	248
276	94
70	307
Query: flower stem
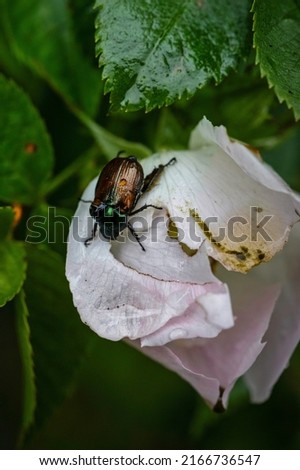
109	143
68	172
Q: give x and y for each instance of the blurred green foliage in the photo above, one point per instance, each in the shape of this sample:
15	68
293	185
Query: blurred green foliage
61	386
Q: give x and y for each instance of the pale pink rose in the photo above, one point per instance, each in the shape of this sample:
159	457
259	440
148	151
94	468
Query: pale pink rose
174	301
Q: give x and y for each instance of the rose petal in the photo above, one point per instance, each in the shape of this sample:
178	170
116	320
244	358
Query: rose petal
164	257
205	318
283	333
212	366
246	157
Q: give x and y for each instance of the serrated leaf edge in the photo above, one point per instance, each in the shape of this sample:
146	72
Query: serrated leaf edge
108	83
9	298
26	423
263	72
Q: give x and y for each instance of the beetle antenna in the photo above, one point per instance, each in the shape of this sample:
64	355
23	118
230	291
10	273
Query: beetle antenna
120	153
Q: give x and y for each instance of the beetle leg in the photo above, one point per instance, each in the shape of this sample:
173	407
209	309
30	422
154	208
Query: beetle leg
145	206
135	235
84	200
87	242
150	179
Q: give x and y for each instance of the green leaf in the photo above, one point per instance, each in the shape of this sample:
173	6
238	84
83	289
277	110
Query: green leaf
26	155
26	353
6	221
58	337
13	269
155	52
41	33
277	42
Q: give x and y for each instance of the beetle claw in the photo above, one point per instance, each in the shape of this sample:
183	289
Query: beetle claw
88	241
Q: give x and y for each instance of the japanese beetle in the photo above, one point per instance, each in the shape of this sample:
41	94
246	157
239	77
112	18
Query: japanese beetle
119	187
